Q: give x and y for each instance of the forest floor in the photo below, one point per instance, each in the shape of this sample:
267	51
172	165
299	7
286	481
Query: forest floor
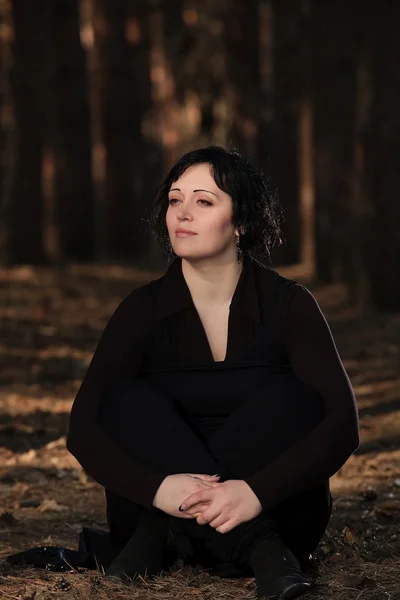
50	322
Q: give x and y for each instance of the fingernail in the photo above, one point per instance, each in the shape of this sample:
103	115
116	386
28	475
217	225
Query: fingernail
217	475
182	508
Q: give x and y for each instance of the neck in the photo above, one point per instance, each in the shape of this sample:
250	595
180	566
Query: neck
213	283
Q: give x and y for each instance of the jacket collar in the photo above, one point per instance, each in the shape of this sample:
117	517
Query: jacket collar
174	295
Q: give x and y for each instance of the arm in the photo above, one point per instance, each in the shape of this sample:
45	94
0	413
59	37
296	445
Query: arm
315	360
118	354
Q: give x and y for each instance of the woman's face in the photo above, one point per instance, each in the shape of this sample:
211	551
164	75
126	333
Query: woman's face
197	204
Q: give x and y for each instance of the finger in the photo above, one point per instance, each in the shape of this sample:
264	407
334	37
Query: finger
205	477
193	514
206	482
198	515
196	498
209	484
210	514
184	515
197	509
218	521
226	527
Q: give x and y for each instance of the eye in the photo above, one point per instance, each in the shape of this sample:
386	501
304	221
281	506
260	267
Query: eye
171	200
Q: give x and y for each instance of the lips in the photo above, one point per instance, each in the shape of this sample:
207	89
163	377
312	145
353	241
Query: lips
184	232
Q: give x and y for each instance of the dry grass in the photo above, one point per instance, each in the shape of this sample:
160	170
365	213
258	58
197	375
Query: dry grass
50	323
355	581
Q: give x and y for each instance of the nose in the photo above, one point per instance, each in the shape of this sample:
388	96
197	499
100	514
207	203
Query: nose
184	214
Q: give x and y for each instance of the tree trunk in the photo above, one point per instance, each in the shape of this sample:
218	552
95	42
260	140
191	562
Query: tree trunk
95	82
287	85
384	157
306	148
243	41
175	40
7	126
133	161
266	147
334	109
75	199
30	80
356	267
200	69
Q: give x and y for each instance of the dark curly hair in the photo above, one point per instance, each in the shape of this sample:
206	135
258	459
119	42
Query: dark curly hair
256	211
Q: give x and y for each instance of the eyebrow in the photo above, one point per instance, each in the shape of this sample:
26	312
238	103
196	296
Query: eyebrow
208	191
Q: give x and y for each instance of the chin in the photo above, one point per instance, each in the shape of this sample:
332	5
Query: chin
196	256
187	254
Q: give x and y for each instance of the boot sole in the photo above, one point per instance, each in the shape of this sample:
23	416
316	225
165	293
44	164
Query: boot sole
294	591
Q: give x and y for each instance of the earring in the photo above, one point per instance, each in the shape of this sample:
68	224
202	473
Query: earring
238	249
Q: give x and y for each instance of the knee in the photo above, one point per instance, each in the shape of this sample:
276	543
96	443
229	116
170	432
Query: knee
294	398
129	399
127	388
311	400
298	390
114	400
119	400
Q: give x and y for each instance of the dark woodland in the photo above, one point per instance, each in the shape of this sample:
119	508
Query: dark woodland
98	98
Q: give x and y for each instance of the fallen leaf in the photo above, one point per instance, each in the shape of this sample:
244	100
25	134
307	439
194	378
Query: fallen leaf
27	457
52	505
348	537
74	526
59	443
47	541
82	476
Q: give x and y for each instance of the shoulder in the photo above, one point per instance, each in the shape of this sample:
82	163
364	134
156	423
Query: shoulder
138	296
291	296
270	281
135	308
299	306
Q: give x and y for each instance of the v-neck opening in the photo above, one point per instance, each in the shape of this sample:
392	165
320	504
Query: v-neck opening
182	339
200	323
205	336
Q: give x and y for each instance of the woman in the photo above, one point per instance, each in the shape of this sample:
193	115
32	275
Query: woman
216	407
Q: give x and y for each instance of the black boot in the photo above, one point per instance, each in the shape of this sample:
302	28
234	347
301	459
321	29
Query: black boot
225	555
277	571
144	554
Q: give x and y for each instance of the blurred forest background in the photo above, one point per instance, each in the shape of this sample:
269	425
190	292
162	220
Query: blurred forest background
98	98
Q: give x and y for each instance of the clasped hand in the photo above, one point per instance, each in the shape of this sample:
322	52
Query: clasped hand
223	506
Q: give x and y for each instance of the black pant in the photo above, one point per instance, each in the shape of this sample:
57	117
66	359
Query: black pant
268	422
